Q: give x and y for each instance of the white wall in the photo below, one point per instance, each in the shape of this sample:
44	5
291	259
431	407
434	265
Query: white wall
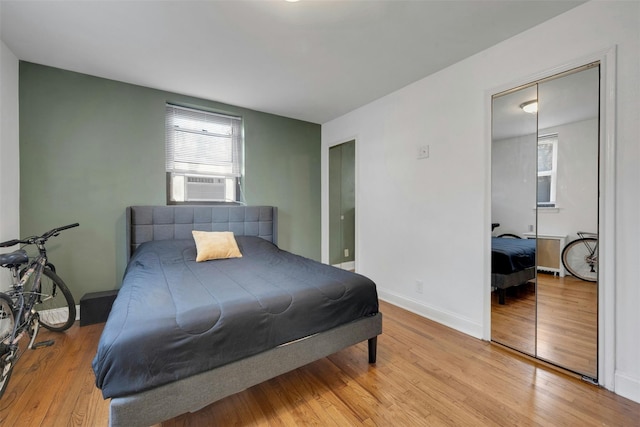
429	219
9	162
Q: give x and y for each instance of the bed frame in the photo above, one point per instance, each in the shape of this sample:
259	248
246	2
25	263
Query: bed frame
145	223
503	281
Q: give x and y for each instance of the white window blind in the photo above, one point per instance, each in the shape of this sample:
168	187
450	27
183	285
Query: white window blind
203	143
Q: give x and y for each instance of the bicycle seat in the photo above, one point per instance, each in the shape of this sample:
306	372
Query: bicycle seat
14	258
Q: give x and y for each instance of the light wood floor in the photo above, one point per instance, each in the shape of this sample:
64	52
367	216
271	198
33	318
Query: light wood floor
567	321
426	375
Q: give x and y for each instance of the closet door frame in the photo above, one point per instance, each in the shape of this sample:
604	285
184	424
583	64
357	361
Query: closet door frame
606	263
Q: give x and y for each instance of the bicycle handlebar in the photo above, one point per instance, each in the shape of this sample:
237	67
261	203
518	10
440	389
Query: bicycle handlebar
9	243
55	231
38	239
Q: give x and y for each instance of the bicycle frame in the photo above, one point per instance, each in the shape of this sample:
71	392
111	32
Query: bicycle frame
20	303
25	313
592	258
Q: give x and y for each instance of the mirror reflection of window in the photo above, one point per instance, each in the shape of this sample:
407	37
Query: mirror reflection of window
547	170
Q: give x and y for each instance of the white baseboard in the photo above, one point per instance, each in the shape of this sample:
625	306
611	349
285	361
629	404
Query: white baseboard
444	317
52	313
626	386
350	265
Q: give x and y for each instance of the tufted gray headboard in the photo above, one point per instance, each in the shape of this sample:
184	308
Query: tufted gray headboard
145	223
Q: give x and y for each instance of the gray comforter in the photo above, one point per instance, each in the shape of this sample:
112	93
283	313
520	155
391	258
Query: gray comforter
174	318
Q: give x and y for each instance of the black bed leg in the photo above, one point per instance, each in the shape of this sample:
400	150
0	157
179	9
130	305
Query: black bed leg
373	349
501	296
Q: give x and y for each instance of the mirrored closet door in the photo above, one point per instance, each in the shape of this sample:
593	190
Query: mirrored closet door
545	146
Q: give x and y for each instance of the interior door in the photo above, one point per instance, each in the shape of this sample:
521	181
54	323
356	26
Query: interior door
567	306
342	205
513	213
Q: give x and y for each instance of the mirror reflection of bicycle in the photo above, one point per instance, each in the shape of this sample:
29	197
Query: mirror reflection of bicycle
580	257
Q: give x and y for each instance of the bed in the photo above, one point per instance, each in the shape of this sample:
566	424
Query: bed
183	334
513	263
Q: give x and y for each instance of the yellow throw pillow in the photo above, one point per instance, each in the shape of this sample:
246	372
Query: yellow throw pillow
215	245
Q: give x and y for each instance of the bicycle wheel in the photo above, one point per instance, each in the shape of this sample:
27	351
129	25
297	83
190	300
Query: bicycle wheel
54	304
7	352
580	258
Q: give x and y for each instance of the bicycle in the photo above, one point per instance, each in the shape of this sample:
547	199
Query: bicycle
37	296
580	257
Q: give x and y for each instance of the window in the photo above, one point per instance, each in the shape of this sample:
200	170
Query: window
203	156
547	170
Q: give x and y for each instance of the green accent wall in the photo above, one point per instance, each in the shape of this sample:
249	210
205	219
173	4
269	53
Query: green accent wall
90	147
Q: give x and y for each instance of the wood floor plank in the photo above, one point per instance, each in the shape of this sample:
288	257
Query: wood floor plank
426	375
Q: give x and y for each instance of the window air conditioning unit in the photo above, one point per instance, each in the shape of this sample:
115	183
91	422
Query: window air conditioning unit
204	189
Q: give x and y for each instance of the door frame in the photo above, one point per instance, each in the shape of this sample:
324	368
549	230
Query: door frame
326	234
606	204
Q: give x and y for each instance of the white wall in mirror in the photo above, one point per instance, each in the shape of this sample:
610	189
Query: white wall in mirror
577	181
577	192
513	183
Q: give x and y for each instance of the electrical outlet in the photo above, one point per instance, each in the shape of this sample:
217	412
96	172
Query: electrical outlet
419	287
346	253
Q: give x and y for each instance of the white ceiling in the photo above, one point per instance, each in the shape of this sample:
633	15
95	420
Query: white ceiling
311	60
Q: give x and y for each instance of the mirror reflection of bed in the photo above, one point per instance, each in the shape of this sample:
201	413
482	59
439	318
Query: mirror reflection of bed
544	189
